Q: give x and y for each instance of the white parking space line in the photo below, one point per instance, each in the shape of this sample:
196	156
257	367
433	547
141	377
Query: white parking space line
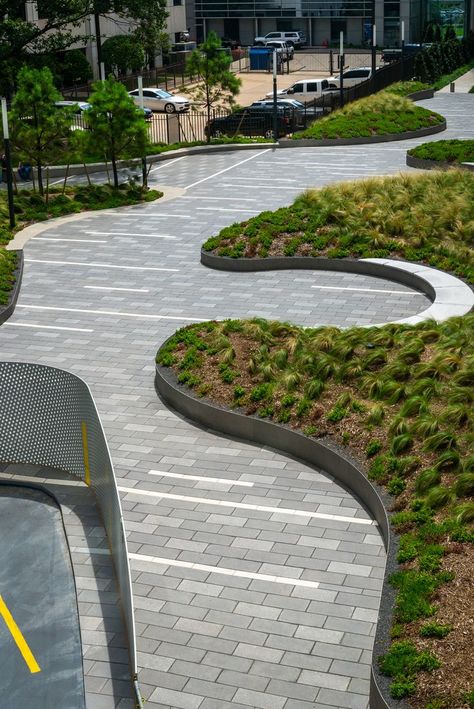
299	187
167	164
207	198
46	327
100	265
224	571
369	290
126	233
79	241
220	481
110	312
245	506
220	172
225	209
127	290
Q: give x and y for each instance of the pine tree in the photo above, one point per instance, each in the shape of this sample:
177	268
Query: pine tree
116	123
219	85
39	129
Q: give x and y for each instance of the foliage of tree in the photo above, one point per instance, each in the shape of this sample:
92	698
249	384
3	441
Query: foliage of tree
121	53
443	58
39	130
62	26
116	124
75	68
218	84
450	33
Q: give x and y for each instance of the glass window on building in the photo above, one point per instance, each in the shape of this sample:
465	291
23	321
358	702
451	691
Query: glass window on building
338	26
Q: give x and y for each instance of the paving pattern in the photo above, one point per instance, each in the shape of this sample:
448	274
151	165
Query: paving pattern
256	578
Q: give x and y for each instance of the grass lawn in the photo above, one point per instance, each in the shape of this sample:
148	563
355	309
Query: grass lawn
380	114
454	151
399	397
30	207
425	218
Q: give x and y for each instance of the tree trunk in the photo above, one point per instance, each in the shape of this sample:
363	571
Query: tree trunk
40	178
114	170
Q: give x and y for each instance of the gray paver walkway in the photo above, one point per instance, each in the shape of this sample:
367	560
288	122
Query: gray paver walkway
236	606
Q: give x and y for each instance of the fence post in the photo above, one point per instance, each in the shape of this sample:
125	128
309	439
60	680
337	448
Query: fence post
331	63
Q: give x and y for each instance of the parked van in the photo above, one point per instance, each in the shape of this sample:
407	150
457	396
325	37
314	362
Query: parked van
306	89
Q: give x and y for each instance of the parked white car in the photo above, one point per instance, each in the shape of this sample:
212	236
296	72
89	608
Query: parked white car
161	100
351	77
296	38
287	51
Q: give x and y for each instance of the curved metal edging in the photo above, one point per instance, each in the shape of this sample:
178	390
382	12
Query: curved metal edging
332	460
367	140
50	418
426	164
6	311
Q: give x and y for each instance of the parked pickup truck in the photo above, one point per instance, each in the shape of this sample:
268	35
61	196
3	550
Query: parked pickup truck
305	90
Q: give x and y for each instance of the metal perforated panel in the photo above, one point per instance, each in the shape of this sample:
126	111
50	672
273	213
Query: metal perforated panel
42	415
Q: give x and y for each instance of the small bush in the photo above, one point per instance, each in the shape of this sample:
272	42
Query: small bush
435	630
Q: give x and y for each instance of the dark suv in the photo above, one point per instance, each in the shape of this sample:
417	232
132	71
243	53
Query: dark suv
252	122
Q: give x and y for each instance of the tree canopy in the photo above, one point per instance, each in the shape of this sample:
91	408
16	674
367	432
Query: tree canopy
61	26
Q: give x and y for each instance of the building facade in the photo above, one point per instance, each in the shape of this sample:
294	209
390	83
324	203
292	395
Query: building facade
323	20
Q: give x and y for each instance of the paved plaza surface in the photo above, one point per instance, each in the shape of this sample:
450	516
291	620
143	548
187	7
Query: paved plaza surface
235	606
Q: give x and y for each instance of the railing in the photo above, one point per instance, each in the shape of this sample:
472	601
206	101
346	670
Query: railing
49	418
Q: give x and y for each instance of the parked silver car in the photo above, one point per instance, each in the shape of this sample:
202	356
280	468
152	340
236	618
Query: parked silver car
160	100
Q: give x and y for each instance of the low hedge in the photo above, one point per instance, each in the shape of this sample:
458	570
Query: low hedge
405	88
426	218
383	113
453	151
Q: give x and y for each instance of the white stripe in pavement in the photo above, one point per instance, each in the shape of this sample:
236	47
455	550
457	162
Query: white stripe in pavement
128	290
369	290
224	571
81	241
126	233
161	214
100	265
226	209
215	174
181	476
47	327
299	187
169	162
245	506
111	312
206	197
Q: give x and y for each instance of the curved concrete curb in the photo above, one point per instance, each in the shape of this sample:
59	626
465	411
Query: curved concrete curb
326	456
310	143
424	164
451	296
60	170
6	311
421	95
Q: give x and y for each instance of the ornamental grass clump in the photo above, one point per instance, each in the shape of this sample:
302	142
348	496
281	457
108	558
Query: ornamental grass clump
383	113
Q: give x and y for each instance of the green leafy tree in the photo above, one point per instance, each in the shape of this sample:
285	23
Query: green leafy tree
450	33
39	130
63	25
116	124
437	33
75	68
121	53
218	84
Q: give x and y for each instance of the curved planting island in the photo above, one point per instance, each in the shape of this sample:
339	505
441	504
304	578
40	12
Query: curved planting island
386	410
378	118
442	154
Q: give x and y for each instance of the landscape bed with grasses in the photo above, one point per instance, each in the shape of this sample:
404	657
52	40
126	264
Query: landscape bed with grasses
383	113
399	397
427	218
405	88
31	207
452	151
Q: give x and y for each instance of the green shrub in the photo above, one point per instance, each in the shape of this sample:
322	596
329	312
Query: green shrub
435	630
373	448
453	151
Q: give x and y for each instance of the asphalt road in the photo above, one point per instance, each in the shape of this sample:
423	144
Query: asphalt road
40	644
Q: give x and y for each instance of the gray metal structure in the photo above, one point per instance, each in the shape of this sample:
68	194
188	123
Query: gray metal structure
48	417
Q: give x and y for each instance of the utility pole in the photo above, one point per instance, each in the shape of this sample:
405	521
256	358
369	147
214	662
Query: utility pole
341	69
98	44
8	160
142	106
275	105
